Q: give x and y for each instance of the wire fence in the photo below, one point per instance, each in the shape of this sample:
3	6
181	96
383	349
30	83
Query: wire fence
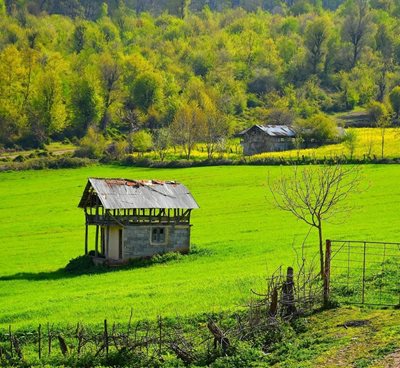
364	272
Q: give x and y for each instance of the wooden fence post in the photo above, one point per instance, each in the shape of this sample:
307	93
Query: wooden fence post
40	341
327	274
106	336
288	300
160	335
49	338
11	340
129	323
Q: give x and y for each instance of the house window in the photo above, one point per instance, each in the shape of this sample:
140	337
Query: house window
158	235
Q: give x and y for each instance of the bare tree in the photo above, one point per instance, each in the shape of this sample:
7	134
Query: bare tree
315	194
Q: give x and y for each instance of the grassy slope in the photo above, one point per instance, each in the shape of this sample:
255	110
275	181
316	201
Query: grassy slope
243	235
326	343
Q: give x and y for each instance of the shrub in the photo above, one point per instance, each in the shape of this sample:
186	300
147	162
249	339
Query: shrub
19	158
79	265
140	141
92	145
319	129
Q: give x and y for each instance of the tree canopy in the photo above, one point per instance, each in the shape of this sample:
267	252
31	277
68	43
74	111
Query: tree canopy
120	66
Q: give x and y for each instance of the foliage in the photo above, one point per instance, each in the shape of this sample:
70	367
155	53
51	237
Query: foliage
188	127
92	145
350	141
140	141
318	129
162	141
130	65
394	98
80	265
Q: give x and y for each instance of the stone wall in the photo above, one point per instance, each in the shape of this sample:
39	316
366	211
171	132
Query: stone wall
137	240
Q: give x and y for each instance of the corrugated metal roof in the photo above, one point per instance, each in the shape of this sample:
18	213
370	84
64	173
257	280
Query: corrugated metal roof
273	130
128	194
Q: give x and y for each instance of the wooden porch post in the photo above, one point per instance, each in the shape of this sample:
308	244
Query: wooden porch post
86	232
97	241
107	241
86	238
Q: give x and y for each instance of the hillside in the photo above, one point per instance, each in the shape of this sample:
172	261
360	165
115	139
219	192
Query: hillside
180	80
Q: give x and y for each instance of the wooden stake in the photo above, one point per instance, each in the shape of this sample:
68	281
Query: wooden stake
129	323
106	337
159	335
49	338
40	341
11	341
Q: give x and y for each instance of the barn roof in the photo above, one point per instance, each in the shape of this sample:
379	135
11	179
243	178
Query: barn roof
128	194
273	130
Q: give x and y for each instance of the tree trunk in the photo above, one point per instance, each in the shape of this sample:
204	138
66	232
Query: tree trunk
321	249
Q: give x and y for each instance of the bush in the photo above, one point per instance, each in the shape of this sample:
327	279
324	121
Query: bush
319	129
92	145
19	158
80	265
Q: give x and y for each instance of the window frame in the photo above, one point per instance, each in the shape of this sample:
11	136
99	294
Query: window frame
158	241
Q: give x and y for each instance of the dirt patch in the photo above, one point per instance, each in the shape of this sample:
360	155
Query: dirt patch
392	360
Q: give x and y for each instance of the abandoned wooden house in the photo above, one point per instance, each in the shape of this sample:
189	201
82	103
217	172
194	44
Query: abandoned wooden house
266	138
136	218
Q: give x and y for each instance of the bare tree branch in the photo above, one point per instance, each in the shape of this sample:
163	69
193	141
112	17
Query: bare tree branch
314	194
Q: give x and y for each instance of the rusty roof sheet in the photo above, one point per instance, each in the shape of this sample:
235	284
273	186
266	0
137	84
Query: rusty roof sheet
128	194
273	130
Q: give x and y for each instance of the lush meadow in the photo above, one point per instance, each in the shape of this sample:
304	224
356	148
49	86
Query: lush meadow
239	237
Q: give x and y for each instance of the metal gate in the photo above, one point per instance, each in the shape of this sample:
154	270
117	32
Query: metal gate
363	272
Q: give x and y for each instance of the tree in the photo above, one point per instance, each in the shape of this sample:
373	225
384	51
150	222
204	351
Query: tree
319	129
146	90
92	145
216	130
316	37
394	98
84	106
2	8
357	27
188	127
12	94
350	141
78	37
381	117
162	140
47	110
141	141
315	194
110	77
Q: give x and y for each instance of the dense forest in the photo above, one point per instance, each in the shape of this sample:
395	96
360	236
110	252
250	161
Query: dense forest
180	71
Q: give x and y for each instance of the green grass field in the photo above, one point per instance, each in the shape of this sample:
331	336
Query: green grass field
239	235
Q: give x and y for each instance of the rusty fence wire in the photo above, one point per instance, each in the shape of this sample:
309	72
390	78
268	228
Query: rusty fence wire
364	272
